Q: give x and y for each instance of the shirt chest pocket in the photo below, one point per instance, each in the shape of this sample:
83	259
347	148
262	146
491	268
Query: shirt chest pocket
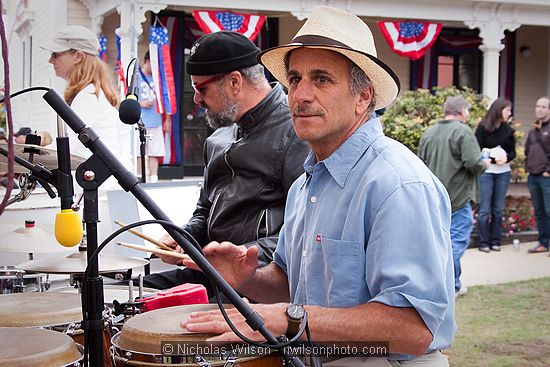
340	272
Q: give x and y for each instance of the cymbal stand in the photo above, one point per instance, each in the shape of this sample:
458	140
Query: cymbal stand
27	182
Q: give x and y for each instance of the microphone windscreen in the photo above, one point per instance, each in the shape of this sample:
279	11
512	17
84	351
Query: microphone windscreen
68	228
129	111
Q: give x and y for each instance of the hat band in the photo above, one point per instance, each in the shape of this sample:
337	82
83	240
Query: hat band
309	39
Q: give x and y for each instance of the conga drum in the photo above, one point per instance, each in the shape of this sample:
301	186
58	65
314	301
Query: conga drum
23	347
144	336
112	292
61	312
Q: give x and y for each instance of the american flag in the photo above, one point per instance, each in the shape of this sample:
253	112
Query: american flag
118	67
215	21
161	67
102	47
410	39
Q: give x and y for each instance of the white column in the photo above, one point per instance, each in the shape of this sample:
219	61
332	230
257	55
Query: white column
492	33
132	15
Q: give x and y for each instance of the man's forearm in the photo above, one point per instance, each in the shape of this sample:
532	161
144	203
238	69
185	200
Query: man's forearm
402	327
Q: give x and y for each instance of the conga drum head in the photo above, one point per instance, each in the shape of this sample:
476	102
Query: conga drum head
144	332
22	347
141	339
39	309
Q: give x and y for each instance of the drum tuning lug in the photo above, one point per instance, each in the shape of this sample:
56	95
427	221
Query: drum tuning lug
201	362
230	361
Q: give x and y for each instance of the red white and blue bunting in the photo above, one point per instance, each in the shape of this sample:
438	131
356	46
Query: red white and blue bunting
410	39
215	21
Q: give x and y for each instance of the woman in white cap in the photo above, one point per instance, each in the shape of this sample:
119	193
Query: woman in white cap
90	89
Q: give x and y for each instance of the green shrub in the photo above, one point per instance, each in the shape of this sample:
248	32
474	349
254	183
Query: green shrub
415	111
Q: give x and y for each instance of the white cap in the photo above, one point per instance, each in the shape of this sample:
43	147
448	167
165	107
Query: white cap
73	37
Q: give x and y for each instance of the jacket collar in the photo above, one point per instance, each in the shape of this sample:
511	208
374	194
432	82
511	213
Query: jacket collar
258	113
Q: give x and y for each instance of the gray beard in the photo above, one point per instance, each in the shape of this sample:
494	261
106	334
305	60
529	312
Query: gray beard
220	119
226	117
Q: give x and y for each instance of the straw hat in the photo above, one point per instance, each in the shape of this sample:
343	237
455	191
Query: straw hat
336	30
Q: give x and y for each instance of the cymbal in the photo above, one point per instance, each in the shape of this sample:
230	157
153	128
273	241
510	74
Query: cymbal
47	157
27	238
75	263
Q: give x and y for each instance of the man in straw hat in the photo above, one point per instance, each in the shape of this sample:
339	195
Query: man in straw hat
365	248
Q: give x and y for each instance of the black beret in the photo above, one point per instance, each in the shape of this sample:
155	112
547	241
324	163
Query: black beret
221	52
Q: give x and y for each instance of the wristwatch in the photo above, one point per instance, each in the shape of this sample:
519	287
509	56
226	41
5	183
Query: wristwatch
295	314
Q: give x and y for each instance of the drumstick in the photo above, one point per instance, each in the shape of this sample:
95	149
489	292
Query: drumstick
145	237
156	251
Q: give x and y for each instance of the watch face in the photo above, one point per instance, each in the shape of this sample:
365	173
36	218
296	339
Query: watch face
295	311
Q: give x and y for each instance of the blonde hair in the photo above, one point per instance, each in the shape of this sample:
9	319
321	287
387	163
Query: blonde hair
90	70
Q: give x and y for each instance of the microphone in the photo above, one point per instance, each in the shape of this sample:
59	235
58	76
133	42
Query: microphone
68	225
129	111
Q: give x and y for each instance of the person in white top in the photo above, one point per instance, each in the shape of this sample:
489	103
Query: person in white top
496	139
89	91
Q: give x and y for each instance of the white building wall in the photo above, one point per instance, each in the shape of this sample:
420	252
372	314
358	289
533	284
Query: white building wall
30	109
77	14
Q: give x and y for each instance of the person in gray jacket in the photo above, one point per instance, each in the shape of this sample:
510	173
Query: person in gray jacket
251	159
537	164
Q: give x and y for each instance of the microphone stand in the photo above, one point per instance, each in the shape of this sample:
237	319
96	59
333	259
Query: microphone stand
129	182
92	294
142	140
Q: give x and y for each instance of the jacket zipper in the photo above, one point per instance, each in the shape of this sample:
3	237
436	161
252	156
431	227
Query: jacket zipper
263	217
226	153
210	216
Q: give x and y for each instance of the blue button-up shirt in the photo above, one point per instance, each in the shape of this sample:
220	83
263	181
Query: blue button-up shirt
371	223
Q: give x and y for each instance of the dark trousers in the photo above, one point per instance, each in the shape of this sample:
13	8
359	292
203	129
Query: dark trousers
539	188
492	193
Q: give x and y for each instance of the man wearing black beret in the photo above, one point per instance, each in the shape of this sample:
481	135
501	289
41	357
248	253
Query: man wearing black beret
251	159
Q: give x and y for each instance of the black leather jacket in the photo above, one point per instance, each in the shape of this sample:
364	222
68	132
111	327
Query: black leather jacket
249	169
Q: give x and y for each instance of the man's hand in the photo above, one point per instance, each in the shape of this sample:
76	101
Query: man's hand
169	241
236	264
212	322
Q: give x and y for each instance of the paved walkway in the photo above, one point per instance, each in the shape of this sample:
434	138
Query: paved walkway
479	268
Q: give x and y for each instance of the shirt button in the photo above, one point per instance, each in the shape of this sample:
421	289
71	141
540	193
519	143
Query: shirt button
313	199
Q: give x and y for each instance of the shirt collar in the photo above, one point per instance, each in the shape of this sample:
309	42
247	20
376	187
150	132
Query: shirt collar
340	163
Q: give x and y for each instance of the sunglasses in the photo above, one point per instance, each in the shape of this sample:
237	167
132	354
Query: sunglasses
55	55
200	89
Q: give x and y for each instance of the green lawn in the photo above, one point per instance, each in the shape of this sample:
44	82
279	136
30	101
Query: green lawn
503	326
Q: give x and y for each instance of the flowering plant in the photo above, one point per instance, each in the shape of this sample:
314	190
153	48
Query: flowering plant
519	215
